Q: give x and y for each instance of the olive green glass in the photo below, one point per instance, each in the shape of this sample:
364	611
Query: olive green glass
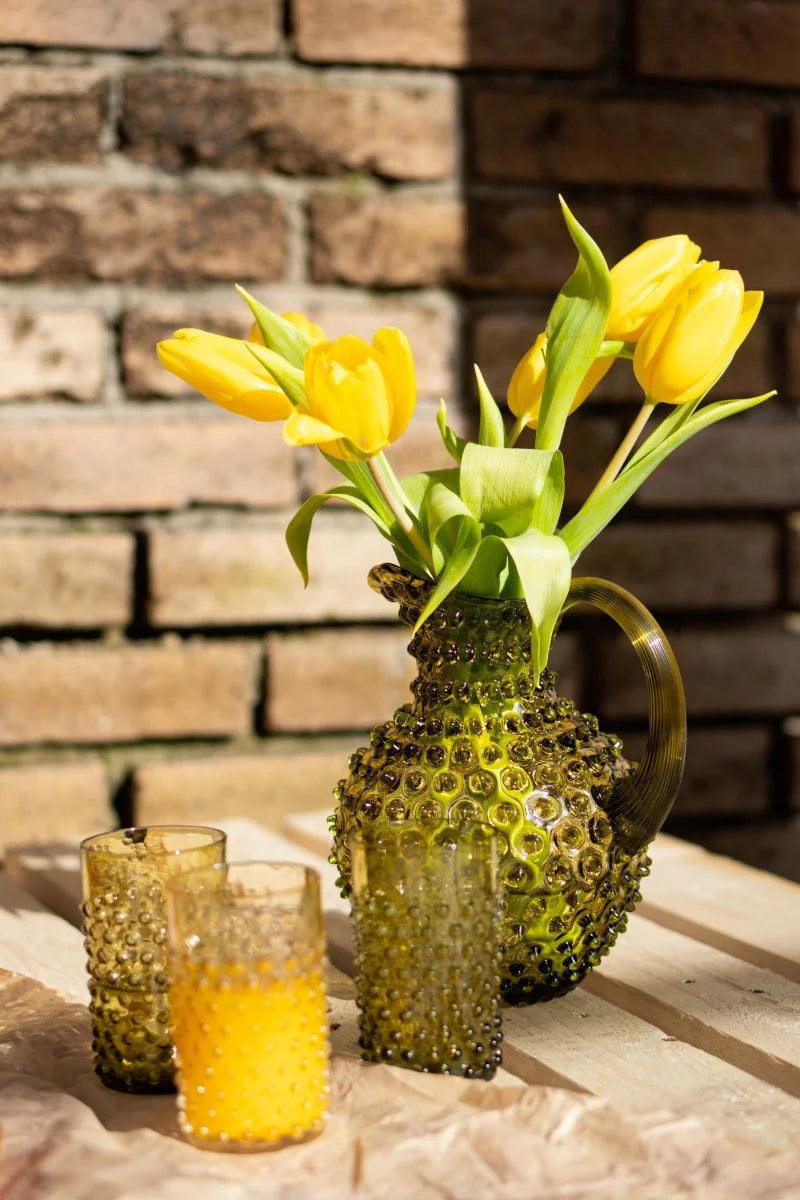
485	739
427	921
124	876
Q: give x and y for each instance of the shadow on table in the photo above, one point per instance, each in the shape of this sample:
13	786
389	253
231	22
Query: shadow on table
50	872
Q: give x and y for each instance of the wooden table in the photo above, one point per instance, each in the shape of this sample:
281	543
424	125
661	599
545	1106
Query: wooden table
695	1012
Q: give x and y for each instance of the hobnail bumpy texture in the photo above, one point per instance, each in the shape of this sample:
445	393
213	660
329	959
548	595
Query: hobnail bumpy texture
481	740
428	950
126	944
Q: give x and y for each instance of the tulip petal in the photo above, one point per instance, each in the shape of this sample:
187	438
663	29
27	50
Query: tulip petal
644	280
224	371
301	429
396	360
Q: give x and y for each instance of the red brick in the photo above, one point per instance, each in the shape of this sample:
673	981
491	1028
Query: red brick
540	139
763	243
244	574
559	35
744	462
138	236
690	565
84	694
266	786
131	466
43	802
342	679
495	246
794	559
727	671
50	113
741	41
197	26
299	126
66	580
429	329
57	352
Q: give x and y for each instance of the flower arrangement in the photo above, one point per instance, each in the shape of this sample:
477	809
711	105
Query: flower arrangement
490	525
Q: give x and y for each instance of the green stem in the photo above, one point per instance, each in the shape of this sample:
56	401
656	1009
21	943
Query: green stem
398	511
626	445
615	349
516	429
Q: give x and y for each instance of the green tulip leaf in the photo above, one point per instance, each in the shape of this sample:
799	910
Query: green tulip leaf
598	511
454	536
289	378
298	530
415	489
278	333
575	331
547	508
501	487
492	431
453	444
543	565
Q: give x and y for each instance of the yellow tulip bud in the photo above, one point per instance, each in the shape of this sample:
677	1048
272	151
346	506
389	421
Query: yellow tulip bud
527	383
223	370
359	398
644	280
314	333
693	337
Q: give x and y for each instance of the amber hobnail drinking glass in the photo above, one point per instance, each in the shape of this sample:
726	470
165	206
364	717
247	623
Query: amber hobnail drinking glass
247	998
124	874
427	920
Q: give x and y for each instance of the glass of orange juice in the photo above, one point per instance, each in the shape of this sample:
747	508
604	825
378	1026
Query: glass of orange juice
247	1004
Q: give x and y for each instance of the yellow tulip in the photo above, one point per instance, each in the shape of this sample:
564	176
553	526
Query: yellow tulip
644	280
314	333
692	338
359	398
223	370
527	383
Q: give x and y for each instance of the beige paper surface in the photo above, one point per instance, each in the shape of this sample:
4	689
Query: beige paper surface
392	1135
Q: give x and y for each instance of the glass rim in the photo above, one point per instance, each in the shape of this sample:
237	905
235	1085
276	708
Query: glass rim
94	844
183	883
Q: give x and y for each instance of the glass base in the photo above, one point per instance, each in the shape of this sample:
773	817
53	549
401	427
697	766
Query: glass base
251	1145
136	1087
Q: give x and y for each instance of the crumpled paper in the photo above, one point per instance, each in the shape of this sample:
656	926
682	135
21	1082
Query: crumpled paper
392	1135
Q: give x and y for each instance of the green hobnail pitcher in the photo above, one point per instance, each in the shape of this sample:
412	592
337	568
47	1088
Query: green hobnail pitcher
484	740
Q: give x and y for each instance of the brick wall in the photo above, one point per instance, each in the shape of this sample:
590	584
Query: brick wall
369	162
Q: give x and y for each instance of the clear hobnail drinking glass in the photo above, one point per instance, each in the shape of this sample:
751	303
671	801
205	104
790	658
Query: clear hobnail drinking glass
248	1005
124	874
427	921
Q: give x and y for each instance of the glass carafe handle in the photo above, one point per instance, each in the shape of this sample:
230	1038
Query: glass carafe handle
639	804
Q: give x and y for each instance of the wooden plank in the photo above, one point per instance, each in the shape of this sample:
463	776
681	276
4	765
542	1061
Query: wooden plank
37	943
748	913
739	1012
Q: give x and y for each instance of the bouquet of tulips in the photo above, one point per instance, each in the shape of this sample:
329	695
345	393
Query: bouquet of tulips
490	525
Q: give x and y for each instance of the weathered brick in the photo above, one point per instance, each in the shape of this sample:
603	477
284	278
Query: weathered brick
727	771
130	466
266	787
147	237
727	671
746	41
52	352
197	26
690	565
336	679
794	559
588	445
43	802
66	580
84	694
494	245
793	754
793	360
299	126
536	138
429	329
763	243
50	113
560	35
743	462
245	575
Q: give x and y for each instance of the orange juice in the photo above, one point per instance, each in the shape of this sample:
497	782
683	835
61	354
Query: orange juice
252	1052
